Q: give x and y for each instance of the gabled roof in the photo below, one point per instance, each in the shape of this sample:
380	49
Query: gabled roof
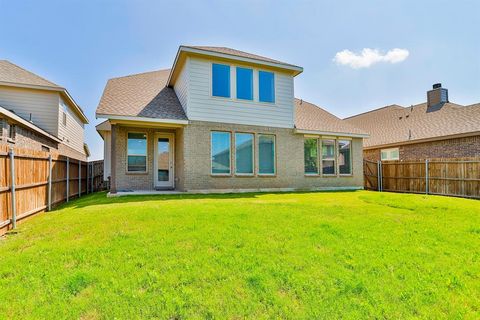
310	118
396	125
142	95
15	76
12	73
227	54
238	53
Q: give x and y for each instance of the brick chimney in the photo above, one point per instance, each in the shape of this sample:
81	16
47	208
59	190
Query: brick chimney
437	96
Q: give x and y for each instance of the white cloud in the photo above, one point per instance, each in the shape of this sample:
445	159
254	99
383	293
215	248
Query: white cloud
369	57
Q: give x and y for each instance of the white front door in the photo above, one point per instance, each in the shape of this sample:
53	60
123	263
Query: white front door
163	174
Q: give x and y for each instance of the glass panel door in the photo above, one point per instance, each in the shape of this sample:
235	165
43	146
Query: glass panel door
163	171
163	159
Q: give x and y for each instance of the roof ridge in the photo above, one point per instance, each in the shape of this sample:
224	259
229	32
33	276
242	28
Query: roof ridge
140	73
323	109
375	110
36	75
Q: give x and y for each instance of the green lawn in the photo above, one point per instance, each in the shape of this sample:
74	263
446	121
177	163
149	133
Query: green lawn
350	255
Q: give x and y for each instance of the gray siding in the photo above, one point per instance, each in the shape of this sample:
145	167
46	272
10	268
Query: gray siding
72	133
42	105
203	106
181	87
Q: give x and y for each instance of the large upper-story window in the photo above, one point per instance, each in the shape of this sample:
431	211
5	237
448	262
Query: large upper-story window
244	153
220	152
220	80
266	154
266	86
244	83
345	156
137	152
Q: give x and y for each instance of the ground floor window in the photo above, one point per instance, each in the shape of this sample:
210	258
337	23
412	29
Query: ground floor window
266	154
345	156
311	155
243	160
335	156
243	153
390	154
328	157
220	152
137	152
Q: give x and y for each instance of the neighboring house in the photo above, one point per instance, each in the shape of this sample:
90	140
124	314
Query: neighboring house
37	114
435	129
222	119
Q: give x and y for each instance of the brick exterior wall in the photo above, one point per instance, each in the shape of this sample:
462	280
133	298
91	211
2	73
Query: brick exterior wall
67	151
142	181
467	147
27	139
192	161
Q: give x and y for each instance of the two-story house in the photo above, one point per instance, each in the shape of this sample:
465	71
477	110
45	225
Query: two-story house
37	114
225	120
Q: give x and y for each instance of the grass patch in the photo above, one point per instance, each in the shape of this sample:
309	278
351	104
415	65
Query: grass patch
324	255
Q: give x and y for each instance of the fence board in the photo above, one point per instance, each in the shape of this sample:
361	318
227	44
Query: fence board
31	182
451	177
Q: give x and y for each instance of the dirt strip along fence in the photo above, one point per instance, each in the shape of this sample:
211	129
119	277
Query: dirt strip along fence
448	177
37	181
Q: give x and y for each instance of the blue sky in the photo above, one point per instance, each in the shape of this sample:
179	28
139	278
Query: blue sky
81	44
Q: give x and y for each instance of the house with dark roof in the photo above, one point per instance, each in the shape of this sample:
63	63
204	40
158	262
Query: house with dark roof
437	128
38	114
223	120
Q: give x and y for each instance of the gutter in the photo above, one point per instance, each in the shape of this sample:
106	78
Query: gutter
142	119
330	133
401	143
297	70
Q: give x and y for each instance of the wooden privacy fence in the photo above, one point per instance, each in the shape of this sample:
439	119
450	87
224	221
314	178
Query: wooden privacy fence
35	181
449	177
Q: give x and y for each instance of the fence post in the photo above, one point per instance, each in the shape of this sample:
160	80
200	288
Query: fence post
426	176
86	177
68	178
49	182
79	178
91	181
380	178
12	188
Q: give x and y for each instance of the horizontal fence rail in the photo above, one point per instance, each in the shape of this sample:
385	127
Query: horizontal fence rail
448	177
36	181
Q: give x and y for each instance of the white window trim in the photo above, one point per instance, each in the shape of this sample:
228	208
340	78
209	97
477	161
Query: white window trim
253	154
231	79
334	158
233	85
389	152
253	84
351	158
274	87
274	156
138	155
211	154
311	174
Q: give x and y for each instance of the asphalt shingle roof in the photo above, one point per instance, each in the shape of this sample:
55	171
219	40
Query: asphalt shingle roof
311	117
396	124
239	53
141	95
12	73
